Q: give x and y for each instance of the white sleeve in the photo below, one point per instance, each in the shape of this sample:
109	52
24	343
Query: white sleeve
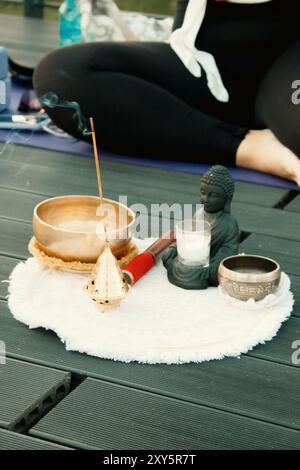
194	16
182	41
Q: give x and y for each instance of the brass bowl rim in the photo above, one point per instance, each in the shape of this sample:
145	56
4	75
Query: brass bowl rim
248	277
71	196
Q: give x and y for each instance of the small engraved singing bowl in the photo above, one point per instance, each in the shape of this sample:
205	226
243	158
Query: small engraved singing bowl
247	277
71	228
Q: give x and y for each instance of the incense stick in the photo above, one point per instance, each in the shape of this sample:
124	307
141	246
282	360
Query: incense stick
96	161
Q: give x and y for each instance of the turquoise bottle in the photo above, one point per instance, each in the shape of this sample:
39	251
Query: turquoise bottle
69	23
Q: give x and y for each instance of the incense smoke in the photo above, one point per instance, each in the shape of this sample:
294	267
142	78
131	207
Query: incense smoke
7	149
51	100
18	136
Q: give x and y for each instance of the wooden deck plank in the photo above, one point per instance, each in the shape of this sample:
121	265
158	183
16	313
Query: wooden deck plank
283	246
265	221
27	58
24	390
286	252
295	287
14	234
30	26
29	30
247	386
288	334
127	419
13	441
54	173
28	40
19	205
294	205
6	267
14	238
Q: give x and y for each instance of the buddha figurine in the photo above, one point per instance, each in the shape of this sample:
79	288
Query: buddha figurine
216	192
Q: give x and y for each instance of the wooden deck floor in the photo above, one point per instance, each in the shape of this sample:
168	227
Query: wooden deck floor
51	398
28	39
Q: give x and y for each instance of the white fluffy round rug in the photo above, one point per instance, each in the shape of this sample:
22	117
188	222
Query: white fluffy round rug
156	323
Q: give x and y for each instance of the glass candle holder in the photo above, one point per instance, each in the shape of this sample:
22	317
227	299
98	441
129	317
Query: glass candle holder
193	242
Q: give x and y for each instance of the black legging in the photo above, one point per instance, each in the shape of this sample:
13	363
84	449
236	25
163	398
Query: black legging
145	102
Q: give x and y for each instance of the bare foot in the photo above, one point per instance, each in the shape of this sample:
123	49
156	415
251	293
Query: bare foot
262	151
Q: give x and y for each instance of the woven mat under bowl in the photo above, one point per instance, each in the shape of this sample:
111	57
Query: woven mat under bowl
74	266
156	323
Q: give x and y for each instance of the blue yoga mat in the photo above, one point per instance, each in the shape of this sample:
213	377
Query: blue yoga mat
43	140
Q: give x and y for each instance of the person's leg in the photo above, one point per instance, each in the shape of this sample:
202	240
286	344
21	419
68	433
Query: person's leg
276	148
139	102
275	106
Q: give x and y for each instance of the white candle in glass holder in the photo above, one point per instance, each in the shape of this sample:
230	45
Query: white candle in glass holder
193	242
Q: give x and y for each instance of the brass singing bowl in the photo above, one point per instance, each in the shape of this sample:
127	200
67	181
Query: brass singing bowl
247	277
72	227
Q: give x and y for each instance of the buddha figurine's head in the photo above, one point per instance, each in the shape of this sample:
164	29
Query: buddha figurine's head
216	189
